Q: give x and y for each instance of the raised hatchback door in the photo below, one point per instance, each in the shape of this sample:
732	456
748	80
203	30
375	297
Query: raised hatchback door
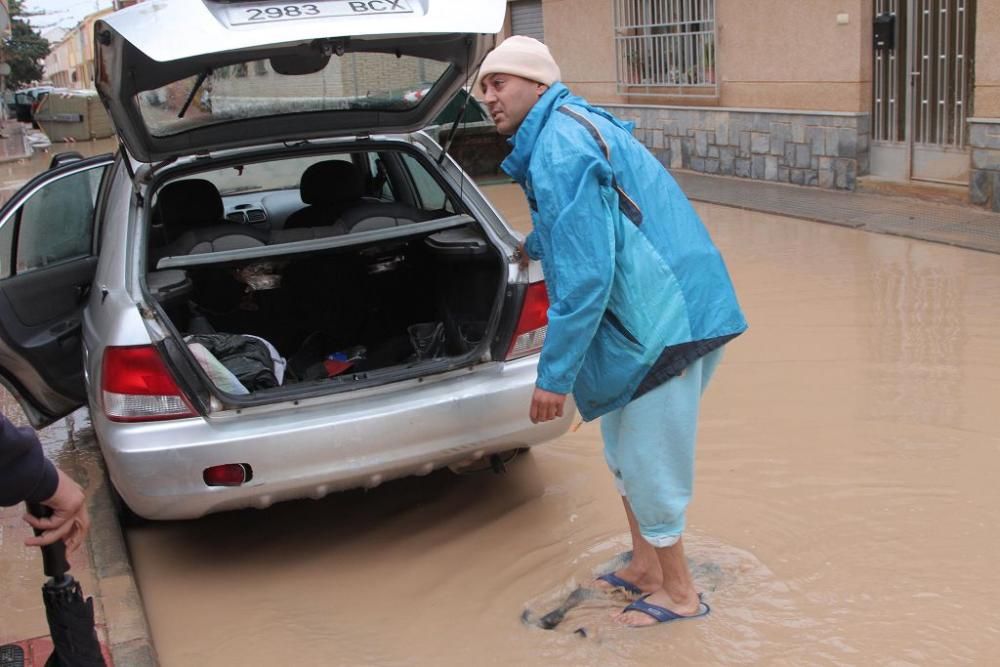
249	73
47	262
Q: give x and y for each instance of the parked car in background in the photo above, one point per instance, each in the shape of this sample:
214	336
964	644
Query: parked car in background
26	101
288	291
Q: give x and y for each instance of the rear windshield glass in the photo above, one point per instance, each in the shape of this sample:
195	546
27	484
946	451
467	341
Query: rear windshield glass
253	89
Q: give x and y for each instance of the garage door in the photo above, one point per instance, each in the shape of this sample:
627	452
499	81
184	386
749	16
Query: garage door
526	19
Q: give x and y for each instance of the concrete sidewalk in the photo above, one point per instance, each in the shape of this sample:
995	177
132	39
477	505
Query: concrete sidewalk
955	224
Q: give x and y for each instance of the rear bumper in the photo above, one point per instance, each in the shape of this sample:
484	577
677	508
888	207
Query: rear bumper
310	450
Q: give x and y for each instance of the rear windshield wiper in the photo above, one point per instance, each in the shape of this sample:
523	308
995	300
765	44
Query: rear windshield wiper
197	85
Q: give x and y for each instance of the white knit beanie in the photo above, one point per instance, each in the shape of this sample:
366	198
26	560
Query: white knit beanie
521	56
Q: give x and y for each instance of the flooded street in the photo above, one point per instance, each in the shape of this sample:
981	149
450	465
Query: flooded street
845	504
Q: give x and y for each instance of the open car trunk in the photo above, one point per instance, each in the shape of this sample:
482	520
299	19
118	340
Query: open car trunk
280	326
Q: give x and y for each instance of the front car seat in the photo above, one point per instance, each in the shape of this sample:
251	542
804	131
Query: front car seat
329	188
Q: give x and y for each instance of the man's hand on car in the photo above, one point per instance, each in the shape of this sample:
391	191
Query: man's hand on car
69	521
546	406
523	260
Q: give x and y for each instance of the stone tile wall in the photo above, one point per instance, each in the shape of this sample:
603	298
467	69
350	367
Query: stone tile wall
829	150
984	176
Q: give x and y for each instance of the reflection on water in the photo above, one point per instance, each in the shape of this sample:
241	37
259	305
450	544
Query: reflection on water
917	309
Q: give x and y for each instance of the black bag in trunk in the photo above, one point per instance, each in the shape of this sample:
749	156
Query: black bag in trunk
248	358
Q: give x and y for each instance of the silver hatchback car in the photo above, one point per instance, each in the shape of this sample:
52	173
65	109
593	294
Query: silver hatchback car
279	287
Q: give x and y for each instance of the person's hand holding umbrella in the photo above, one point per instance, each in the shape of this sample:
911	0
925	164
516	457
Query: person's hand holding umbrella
69	521
61	522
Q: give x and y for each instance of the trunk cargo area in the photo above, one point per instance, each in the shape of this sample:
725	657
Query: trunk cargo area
336	315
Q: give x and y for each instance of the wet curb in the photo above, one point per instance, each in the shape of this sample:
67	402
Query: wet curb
960	225
128	637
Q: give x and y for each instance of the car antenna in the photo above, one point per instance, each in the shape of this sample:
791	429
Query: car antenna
461	111
197	85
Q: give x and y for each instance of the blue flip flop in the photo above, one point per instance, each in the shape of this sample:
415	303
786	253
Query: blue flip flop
618	582
662	614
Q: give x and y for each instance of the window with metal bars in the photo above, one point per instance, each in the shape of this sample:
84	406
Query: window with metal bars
666	47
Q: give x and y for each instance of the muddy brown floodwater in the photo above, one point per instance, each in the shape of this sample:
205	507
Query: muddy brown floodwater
846	504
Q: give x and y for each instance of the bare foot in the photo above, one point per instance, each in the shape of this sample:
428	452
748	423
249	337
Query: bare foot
689	606
648	579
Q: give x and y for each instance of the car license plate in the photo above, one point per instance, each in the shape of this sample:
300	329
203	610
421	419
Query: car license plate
291	11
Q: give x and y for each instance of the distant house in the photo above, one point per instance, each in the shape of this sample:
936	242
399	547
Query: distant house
70	63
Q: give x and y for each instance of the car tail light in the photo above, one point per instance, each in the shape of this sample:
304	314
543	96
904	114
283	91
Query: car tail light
138	387
228	474
533	323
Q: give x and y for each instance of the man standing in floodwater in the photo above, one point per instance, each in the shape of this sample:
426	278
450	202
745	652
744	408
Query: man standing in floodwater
641	305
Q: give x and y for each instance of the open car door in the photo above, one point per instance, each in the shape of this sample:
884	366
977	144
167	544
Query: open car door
48	255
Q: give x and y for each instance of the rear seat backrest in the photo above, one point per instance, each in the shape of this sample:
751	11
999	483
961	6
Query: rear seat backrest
190	214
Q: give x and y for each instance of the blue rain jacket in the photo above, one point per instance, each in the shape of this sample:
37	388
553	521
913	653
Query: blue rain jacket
629	268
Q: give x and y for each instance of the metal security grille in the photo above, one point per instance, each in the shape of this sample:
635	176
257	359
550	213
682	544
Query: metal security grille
889	103
932	56
526	19
941	30
666	47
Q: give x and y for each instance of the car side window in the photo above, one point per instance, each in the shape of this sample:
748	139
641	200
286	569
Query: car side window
432	196
56	222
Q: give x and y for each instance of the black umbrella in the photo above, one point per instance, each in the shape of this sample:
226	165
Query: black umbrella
70	617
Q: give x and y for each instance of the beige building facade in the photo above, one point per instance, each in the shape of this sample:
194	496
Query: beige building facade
800	91
70	63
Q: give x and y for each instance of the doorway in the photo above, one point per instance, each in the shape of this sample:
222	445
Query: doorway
922	90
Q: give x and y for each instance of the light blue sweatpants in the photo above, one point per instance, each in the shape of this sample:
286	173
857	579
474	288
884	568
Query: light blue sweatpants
649	447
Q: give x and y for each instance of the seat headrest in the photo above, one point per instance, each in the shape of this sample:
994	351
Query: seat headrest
188	204
331	182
